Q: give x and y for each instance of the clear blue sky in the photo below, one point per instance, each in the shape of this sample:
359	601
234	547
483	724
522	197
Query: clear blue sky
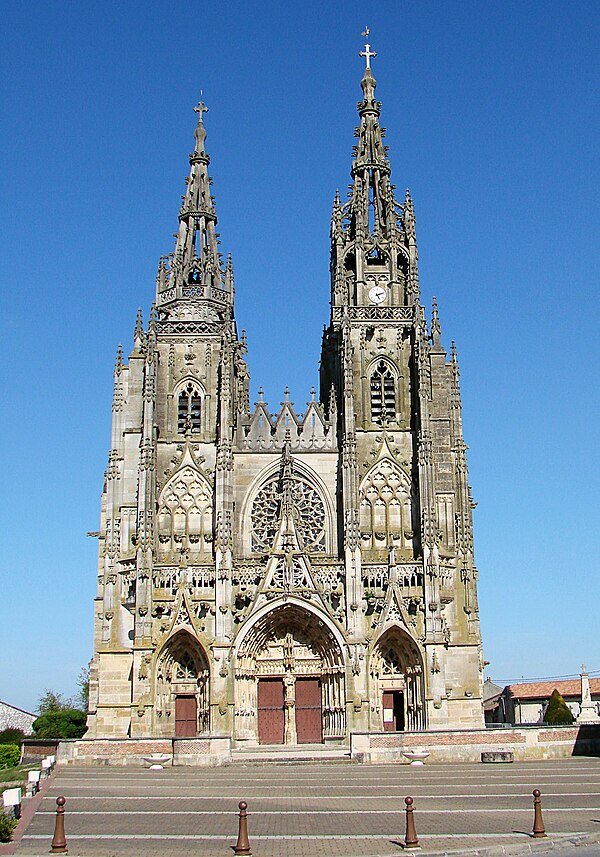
492	117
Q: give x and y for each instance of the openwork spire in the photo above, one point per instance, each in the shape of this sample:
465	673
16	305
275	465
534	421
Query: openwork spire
370	243
194	270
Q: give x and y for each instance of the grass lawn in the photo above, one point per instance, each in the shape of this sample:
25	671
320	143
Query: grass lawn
14	777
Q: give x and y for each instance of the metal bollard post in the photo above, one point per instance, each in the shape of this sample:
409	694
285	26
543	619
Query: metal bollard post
411	839
539	831
242	846
59	843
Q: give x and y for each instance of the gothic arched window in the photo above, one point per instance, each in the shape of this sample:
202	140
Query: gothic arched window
189	409
383	393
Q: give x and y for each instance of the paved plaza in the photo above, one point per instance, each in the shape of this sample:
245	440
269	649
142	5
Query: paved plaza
314	809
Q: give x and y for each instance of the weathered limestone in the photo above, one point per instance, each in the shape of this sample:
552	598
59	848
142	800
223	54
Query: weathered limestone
288	577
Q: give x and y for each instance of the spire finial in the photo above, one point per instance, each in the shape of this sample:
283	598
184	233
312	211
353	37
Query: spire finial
367	53
200	132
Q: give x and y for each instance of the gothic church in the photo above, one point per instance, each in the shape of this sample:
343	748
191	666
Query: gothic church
286	578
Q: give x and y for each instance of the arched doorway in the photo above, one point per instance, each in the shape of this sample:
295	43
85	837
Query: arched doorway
397	689
182	687
289	680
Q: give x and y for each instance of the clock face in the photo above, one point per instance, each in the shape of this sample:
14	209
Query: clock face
377	294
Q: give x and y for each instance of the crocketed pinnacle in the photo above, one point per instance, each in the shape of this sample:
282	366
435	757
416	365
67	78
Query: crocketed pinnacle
436	330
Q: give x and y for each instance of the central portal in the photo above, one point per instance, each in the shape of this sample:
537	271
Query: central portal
289	680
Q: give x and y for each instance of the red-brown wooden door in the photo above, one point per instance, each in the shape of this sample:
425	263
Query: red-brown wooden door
186	717
309	721
271	718
393	711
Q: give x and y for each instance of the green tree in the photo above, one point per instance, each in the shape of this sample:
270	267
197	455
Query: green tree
51	701
558	711
64	723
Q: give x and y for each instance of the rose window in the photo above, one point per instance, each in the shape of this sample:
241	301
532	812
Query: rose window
308	512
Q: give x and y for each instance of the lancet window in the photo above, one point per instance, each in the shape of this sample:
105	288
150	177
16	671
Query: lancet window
383	393
189	409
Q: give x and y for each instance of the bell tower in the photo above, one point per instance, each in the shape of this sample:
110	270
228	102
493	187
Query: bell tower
406	500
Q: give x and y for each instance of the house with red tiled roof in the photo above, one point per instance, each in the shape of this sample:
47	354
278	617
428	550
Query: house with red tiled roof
526	702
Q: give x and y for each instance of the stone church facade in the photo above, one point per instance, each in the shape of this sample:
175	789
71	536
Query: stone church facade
288	578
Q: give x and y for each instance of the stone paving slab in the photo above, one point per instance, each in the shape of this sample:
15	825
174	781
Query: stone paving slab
316	811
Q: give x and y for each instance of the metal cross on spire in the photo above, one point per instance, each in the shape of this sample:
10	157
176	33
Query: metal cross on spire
367	53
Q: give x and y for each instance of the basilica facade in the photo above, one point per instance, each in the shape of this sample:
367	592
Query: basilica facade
284	578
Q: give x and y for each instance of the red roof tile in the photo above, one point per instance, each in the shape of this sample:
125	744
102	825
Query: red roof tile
543	689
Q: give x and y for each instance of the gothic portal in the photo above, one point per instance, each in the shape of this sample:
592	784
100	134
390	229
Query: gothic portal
288	578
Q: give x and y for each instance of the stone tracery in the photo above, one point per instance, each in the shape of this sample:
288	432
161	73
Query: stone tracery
185	513
308	511
386	507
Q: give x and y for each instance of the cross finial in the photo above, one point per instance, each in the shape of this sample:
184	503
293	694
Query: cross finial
200	108
367	53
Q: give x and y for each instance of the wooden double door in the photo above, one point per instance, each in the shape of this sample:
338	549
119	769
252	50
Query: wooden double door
307	711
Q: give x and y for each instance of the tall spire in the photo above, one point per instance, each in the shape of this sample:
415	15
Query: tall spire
196	264
368	233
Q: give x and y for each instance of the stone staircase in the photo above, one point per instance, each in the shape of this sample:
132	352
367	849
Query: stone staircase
296	754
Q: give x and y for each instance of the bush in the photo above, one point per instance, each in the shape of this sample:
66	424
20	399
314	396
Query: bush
7	825
558	711
65	723
12	736
9	755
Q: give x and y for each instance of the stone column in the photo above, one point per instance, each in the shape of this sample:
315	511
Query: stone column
289	685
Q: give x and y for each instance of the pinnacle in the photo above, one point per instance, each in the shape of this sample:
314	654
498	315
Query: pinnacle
139	325
436	329
119	360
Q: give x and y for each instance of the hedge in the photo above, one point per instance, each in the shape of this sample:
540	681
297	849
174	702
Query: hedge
9	755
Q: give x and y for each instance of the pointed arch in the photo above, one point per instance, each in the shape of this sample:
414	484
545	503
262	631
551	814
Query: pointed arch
290	640
386	505
396	666
383	383
189	398
185	513
260	512
182	671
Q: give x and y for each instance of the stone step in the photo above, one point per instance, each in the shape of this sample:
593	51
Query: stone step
296	755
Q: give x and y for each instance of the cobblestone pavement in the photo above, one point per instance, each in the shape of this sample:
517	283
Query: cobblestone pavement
315	810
